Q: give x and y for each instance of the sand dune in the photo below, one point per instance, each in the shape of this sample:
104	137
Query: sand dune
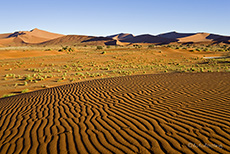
27	37
199	37
44	34
44	38
168	113
38	36
67	40
79	39
121	36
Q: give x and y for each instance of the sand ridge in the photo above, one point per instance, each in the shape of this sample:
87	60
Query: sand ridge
37	37
165	113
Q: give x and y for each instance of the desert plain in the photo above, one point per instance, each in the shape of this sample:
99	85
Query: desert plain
117	94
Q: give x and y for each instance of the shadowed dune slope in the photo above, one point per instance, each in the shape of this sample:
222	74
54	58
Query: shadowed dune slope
67	40
222	39
146	38
166	113
78	39
175	35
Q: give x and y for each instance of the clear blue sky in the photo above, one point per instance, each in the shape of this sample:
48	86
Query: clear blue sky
105	17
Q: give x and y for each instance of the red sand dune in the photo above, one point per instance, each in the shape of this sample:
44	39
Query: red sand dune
27	37
199	37
121	36
196	37
166	113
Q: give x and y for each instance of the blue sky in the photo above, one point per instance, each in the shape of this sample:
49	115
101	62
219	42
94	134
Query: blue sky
105	17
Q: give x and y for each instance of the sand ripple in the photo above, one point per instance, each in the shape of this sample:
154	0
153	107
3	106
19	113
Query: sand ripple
174	113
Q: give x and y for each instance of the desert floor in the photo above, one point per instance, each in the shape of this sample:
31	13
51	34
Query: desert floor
28	69
122	100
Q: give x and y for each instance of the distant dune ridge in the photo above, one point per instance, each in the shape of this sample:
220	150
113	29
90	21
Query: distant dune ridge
79	39
175	35
41	37
164	113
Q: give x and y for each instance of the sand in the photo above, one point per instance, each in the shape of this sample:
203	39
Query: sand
199	37
165	113
27	37
16	54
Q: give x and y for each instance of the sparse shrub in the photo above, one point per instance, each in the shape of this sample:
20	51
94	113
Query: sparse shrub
151	46
48	49
7	95
137	46
28	78
81	74
25	83
66	48
25	91
104	52
99	47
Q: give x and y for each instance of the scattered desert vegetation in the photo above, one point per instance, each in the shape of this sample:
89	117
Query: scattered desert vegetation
89	62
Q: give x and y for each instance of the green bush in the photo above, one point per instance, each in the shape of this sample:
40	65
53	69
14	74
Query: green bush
151	46
99	47
25	91
7	95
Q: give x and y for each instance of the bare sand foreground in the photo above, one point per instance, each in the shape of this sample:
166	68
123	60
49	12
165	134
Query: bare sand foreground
165	113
